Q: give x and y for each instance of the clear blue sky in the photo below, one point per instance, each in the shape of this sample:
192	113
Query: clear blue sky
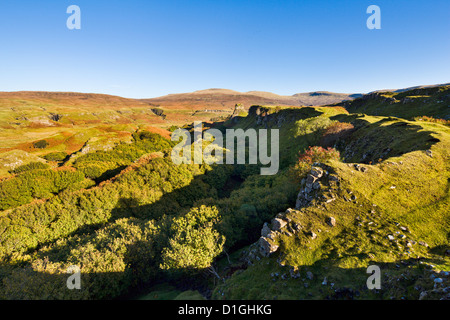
150	48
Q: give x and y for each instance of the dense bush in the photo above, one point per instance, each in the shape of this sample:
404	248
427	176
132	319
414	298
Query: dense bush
30	166
194	242
94	165
154	216
55	156
130	194
36	184
41	144
313	155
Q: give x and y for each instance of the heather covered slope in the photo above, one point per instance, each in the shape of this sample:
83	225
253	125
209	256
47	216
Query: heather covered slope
142	226
226	99
71	123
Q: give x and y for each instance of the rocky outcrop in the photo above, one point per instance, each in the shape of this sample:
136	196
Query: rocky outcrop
278	224
331	221
159	113
311	187
268	242
55	117
267	246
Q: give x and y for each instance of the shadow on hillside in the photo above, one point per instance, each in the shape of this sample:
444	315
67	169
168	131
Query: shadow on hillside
325	282
370	143
403	279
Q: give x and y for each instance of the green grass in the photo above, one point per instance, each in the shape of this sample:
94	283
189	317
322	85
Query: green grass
407	188
419	102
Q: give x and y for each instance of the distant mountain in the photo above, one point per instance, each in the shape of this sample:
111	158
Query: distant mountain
226	99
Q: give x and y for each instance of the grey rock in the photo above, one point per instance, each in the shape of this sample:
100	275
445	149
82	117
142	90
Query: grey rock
317	172
272	235
423	243
266	247
265	230
423	295
278	224
310	179
331	221
333	177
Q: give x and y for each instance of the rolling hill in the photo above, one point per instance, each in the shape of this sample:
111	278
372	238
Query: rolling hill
361	183
226	99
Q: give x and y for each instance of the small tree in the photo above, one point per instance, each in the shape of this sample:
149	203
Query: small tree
195	243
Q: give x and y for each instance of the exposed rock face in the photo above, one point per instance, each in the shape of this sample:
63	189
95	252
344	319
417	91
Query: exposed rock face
317	172
278	224
331	221
265	230
55	117
267	243
282	223
312	186
159	113
266	247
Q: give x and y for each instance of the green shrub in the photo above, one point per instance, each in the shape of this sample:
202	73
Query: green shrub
35	184
30	166
55	156
41	144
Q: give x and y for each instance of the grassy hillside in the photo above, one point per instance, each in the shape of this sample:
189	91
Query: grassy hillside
389	196
429	101
354	189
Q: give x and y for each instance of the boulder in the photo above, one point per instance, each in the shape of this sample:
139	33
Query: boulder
331	221
272	235
265	230
266	247
312	235
317	172
278	224
333	177
423	243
